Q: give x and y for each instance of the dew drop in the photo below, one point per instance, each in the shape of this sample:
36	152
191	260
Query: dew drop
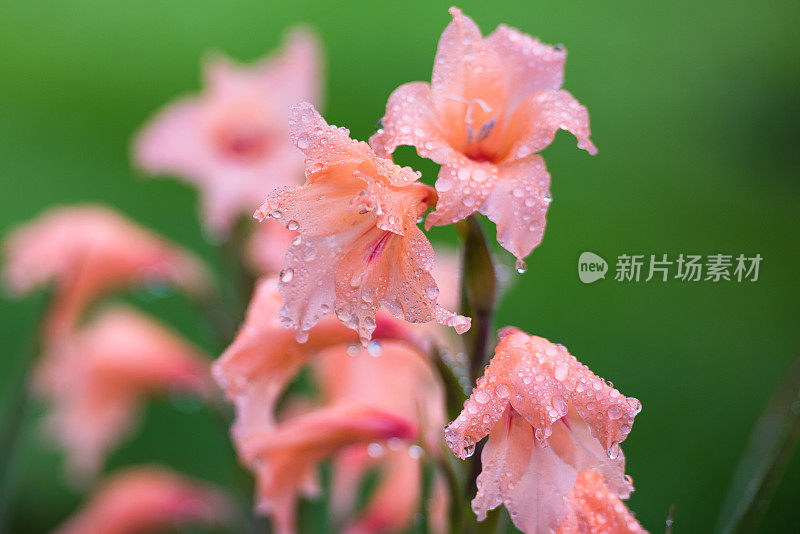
287	275
444	184
375	450
481	397
302	142
293	225
432	292
521	267
479	175
415	451
560	372
374	348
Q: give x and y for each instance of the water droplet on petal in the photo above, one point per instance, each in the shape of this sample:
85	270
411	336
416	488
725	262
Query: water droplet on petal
293	225
375	450
287	275
521	267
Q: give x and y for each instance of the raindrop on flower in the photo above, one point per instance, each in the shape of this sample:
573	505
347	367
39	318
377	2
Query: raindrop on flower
287	275
521	267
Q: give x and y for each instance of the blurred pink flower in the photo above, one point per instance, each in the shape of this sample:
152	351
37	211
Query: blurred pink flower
96	382
264	357
492	104
231	141
397	378
87	251
148	499
548	418
593	509
359	247
265	250
285	457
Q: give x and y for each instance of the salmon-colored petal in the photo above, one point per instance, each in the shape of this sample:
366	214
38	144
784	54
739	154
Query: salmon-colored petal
463	185
172	143
535	123
97	381
529	65
286	455
467	82
518	205
531	481
594	509
411	120
330	148
149	499
359	247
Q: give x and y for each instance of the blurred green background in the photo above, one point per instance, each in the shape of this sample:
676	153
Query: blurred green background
694	109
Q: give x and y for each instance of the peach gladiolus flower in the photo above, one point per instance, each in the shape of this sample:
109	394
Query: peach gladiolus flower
264	357
97	381
593	509
231	141
549	418
87	251
397	378
285	457
492	104
359	247
148	499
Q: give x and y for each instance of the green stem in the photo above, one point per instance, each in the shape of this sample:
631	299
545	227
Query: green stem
13	421
771	445
478	292
478	300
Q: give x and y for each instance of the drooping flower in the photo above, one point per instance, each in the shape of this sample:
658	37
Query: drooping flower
285	457
548	418
264	357
492	104
359	247
395	377
87	251
231	141
148	499
97	380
